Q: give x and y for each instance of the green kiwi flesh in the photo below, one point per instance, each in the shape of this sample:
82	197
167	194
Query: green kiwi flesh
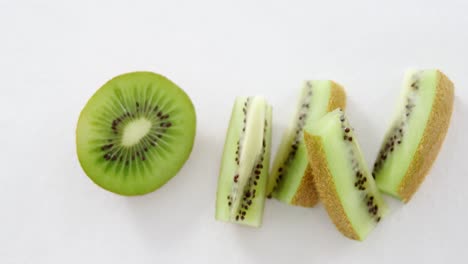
244	169
344	183
135	133
290	162
416	133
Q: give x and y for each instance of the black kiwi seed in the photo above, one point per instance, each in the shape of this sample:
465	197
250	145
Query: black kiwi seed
105	147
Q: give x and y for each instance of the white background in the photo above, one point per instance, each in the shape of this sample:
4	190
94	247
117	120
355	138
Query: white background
55	54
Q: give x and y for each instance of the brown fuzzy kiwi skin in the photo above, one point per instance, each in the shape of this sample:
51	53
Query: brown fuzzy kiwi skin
325	186
306	195
337	97
432	139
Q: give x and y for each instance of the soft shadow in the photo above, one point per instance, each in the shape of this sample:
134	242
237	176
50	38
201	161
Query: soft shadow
172	212
451	154
292	233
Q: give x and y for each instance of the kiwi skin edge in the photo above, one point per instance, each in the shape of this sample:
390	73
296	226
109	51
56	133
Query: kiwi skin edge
306	194
432	139
326	187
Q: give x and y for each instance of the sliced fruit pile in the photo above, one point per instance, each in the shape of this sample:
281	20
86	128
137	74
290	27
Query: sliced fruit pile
328	164
290	180
137	131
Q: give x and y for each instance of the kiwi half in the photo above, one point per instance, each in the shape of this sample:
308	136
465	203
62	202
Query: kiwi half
416	134
290	180
135	133
245	163
340	173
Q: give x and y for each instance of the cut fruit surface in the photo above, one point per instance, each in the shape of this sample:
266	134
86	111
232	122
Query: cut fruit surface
135	133
343	182
242	181
290	180
416	134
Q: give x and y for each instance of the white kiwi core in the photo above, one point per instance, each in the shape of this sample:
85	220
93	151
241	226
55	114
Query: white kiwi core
135	131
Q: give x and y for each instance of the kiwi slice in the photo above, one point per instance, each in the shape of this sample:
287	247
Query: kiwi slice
245	163
290	180
135	133
416	134
344	184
